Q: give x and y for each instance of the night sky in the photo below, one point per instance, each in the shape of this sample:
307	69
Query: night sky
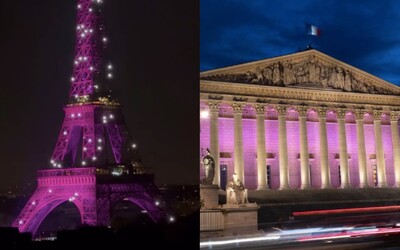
361	33
154	49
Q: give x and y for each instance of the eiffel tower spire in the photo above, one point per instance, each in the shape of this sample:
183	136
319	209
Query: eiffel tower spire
91	114
90	73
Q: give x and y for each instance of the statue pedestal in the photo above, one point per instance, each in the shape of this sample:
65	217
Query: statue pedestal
240	218
209	195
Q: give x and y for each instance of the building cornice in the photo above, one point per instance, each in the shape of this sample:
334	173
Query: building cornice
226	92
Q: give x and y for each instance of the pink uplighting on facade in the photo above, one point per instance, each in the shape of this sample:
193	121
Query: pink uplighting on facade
226	146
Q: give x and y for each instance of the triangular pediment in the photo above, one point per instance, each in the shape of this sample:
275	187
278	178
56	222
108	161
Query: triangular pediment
307	69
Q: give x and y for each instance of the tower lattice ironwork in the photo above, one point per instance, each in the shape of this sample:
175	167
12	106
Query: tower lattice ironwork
95	163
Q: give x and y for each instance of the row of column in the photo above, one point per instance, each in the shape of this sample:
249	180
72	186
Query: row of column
304	153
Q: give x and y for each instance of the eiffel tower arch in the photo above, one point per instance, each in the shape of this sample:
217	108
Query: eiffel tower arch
94	195
95	164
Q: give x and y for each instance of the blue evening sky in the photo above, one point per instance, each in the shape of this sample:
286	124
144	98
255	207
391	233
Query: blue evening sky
362	33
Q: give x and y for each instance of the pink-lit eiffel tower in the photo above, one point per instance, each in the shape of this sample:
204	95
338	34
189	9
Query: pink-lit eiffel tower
89	168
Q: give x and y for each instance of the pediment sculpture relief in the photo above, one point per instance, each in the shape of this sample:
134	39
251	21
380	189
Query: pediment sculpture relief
306	73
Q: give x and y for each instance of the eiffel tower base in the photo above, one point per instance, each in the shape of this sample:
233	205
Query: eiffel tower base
92	193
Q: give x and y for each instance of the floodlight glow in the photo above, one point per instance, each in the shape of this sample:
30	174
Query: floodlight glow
204	114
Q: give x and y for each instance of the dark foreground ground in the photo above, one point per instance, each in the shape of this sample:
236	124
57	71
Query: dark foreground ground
386	242
277	208
183	234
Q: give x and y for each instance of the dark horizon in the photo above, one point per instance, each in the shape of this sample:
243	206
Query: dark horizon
153	47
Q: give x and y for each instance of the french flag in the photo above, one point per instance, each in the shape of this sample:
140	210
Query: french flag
313	30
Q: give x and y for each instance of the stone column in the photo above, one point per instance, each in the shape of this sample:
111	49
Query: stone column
394	125
380	157
344	157
214	143
304	156
362	156
283	150
261	151
323	148
238	140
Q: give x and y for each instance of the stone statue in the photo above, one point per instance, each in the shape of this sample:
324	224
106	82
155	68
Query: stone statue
347	81
289	74
209	168
302	75
267	72
339	78
276	77
260	76
235	191
314	71
324	76
332	78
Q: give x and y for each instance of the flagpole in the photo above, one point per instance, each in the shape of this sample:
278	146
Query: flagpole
308	33
312	31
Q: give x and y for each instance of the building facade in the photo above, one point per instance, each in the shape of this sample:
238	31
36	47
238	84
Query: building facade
304	120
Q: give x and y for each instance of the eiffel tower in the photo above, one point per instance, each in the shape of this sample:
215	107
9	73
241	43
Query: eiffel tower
94	164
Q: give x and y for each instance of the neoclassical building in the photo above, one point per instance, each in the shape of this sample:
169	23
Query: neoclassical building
304	120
